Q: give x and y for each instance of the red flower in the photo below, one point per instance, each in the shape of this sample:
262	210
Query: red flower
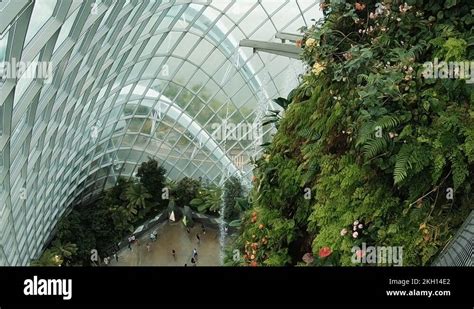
324	252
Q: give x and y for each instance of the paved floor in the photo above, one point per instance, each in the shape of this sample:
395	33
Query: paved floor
173	236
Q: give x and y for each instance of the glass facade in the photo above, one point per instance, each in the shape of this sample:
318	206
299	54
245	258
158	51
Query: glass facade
130	80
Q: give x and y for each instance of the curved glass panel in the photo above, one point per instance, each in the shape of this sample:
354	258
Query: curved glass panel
165	79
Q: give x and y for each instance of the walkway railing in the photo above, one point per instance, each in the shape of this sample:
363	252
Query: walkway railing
459	251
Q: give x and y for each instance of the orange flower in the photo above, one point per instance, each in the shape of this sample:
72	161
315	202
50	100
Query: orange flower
359	6
325	252
261	226
254	220
254	214
253	264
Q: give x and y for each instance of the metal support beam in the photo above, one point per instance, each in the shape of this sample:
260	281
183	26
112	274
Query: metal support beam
285	50
285	36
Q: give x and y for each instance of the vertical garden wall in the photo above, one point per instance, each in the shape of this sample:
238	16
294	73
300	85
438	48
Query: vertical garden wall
375	147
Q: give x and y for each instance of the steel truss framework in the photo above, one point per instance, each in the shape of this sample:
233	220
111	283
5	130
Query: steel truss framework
121	70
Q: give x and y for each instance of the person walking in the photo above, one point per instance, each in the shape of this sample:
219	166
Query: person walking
148	247
198	238
203	229
195	254
173	252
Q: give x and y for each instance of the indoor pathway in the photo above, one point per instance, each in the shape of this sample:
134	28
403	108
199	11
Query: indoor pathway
172	236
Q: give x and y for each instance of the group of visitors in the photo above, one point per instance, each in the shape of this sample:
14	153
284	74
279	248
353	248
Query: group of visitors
153	237
131	240
194	258
107	259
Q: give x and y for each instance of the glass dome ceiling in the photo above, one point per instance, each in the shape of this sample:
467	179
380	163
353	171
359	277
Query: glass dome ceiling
131	80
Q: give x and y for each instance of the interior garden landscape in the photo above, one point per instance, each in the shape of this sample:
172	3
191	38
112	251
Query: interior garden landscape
236	133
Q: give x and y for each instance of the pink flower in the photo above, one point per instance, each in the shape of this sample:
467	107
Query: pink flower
360	253
308	258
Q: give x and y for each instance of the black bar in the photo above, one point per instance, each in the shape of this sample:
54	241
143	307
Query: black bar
244	285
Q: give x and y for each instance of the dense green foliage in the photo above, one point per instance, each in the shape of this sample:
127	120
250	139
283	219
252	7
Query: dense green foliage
208	200
366	138
119	210
185	191
152	177
103	224
58	255
234	192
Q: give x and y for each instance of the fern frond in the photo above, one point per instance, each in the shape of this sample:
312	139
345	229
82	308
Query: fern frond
439	164
411	158
374	147
460	169
365	133
402	163
387	122
368	129
307	133
469	145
